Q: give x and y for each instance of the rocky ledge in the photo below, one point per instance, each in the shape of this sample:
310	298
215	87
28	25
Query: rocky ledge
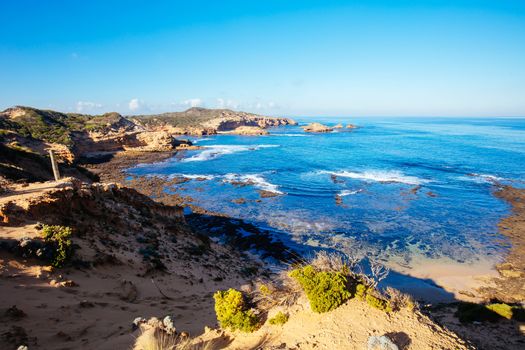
249	130
317	127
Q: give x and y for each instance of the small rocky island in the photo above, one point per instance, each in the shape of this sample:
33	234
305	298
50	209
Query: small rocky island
317	127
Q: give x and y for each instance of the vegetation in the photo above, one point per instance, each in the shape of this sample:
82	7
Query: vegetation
59	238
326	290
400	300
232	311
471	312
56	127
192	117
265	290
378	303
279	319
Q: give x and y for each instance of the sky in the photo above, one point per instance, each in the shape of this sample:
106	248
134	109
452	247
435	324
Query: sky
277	57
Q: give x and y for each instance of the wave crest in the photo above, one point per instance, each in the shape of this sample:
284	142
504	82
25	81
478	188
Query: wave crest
215	151
384	176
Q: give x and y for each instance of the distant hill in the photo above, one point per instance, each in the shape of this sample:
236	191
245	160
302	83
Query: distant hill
198	120
57	127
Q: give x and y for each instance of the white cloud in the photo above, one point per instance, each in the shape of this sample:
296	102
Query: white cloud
222	103
193	102
134	104
83	106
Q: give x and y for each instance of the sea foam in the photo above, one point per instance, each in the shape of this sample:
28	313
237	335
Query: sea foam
384	176
256	180
345	193
215	151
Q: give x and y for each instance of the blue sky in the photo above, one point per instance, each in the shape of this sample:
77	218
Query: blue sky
349	58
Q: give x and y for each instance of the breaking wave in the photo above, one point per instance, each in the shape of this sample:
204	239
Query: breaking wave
345	193
255	180
380	176
215	151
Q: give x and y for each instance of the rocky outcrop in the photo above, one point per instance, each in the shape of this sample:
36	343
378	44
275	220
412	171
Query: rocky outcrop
351	126
338	126
71	200
202	121
316	127
77	136
249	130
72	136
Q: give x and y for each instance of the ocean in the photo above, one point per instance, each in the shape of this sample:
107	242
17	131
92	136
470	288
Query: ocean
404	191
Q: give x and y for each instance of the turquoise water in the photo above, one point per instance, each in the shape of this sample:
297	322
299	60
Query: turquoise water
393	188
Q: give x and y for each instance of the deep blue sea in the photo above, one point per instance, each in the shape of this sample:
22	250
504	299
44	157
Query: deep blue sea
395	188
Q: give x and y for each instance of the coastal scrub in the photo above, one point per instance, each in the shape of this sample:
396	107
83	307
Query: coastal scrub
232	311
326	290
59	238
279	319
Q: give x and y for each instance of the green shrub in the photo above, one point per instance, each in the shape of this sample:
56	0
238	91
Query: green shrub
265	290
360	291
279	319
503	310
470	312
59	237
232	312
378	303
326	290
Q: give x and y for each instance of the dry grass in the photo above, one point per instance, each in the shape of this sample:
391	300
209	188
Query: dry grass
157	339
399	300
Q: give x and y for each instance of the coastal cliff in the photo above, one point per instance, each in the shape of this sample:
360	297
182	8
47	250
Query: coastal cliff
202	121
29	133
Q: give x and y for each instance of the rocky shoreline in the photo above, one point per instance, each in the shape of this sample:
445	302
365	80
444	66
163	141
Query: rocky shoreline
510	285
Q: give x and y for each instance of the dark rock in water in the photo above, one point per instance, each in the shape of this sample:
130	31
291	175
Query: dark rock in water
335	179
267	194
415	189
338	199
239	201
431	194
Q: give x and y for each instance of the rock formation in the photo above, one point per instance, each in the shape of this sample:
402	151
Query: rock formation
201	121
249	130
316	127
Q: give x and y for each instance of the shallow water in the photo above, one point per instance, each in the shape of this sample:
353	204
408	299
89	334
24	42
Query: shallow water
409	187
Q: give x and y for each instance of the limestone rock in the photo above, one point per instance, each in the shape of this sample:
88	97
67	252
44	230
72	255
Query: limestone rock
316	127
249	130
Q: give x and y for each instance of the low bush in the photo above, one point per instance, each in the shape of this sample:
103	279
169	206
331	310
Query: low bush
326	290
470	312
232	312
265	290
279	319
360	291
378	303
59	238
399	300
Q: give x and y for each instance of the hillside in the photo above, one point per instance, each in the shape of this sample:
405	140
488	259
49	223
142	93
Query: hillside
57	127
126	256
75	136
207	121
